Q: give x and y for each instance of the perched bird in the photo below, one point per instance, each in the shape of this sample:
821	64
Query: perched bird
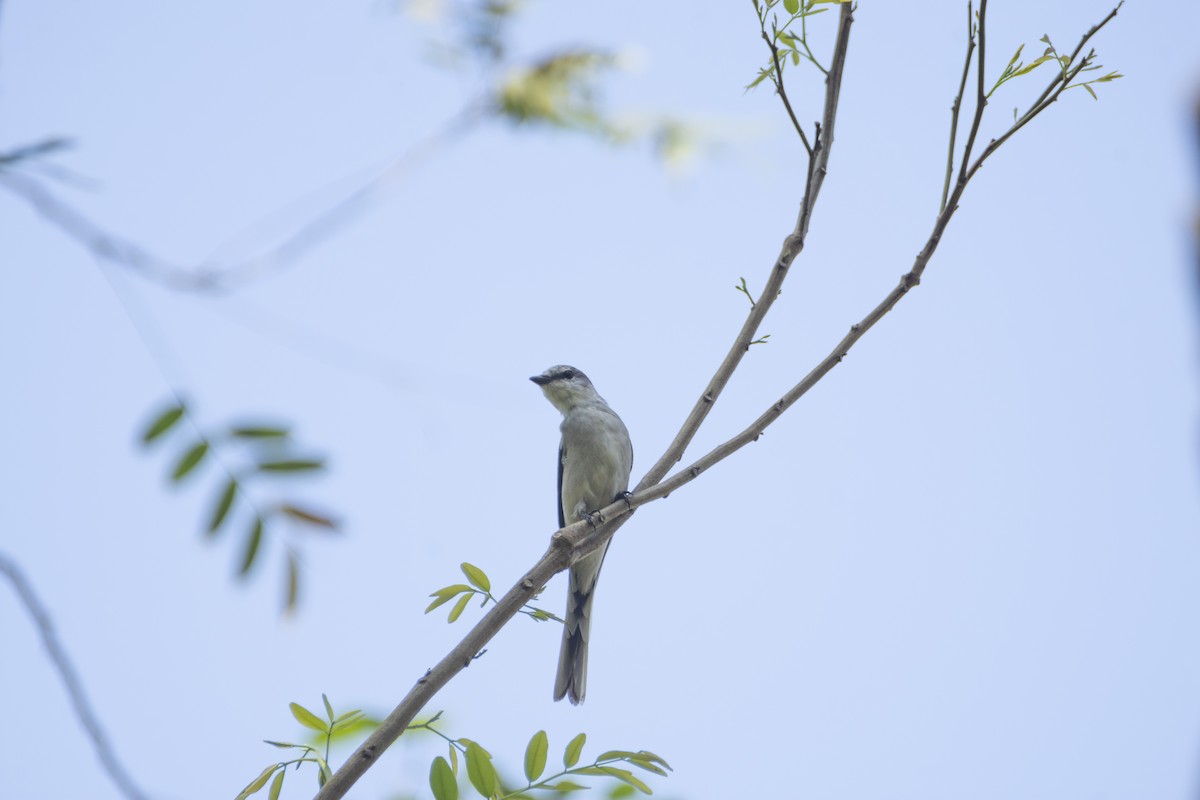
595	457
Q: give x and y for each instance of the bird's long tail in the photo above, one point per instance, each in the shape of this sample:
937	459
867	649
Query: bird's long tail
571	681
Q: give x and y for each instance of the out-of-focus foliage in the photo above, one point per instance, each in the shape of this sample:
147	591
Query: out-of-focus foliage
243	459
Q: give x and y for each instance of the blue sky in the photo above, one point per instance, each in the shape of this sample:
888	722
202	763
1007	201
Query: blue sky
963	566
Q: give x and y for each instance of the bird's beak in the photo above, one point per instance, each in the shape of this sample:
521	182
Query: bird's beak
540	380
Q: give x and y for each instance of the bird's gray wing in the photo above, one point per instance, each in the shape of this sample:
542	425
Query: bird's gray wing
562	455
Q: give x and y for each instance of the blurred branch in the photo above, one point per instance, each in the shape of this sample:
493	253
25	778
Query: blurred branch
210	275
70	679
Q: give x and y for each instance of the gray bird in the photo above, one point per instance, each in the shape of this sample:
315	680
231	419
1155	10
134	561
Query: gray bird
595	457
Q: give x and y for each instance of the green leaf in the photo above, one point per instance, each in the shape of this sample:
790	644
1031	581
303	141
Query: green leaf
453	757
189	461
252	543
307	718
646	755
480	771
566	786
628	777
328	708
791	6
621	790
574	748
1090	91
223	504
258	432
535	756
163	423
277	785
476	576
441	780
286	744
308	516
459	607
257	783
292	465
1016	55
445	594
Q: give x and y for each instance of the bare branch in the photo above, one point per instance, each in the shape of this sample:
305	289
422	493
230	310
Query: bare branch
962	86
777	79
70	679
981	91
792	246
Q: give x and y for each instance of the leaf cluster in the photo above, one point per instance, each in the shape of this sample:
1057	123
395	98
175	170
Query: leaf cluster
261	451
1016	68
479	585
485	779
330	729
786	43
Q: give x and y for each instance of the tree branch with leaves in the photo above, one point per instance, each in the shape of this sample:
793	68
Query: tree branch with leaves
575	541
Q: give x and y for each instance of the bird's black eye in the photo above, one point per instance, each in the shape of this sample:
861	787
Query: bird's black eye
568	374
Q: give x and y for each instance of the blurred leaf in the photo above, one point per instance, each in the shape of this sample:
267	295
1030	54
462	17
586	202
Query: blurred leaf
456	612
791	6
1090	91
292	465
535	756
480	771
453	757
257	783
441	780
307	718
285	744
277	785
189	461
574	748
308	516
258	432
293	583
223	504
476	576
163	423
621	790
351	729
566	786
328	708
252	543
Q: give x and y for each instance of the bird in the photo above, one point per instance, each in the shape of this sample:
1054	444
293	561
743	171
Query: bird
595	457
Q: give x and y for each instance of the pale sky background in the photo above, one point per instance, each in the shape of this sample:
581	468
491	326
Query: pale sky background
964	566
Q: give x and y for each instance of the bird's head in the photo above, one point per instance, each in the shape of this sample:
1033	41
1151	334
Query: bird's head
565	387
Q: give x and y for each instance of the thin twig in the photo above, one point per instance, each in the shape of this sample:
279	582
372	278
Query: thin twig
962	86
980	94
778	81
70	678
792	245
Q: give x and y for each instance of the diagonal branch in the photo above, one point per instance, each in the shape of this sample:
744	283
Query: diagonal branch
70	679
792	246
574	541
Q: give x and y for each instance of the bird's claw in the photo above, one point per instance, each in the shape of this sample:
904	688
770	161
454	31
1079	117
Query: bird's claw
627	496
